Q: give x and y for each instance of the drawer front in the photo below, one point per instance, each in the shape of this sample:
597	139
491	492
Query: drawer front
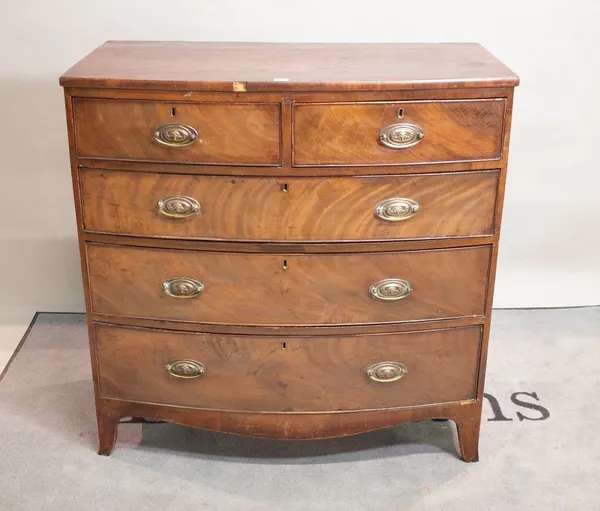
289	209
373	133
288	374
209	133
288	289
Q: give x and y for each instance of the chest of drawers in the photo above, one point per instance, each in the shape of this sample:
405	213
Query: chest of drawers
292	241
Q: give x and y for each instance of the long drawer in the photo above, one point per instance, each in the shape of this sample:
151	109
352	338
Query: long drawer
289	209
208	133
287	374
288	289
386	133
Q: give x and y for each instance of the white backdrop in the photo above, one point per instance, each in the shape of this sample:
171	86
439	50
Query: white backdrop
550	249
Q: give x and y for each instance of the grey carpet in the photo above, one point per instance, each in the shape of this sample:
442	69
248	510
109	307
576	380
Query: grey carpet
48	439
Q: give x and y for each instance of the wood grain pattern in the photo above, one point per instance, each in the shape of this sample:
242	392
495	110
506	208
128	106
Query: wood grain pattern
348	134
255	289
288	209
200	66
243	134
280	374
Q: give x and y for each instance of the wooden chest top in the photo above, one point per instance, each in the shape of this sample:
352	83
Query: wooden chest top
273	67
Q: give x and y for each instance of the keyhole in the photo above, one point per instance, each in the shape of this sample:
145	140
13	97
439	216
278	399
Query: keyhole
285	264
173	112
400	113
284	188
284	345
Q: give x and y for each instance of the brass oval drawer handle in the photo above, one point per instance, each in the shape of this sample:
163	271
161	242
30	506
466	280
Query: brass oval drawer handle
390	289
396	210
178	206
185	368
401	135
175	135
386	372
182	287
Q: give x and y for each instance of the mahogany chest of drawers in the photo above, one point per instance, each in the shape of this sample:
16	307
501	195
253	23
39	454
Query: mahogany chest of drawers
293	241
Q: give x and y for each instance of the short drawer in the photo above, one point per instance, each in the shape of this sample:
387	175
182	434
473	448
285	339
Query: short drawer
207	133
289	209
288	374
287	289
398	133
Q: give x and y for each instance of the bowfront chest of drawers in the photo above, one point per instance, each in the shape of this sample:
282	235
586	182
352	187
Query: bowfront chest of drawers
293	241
